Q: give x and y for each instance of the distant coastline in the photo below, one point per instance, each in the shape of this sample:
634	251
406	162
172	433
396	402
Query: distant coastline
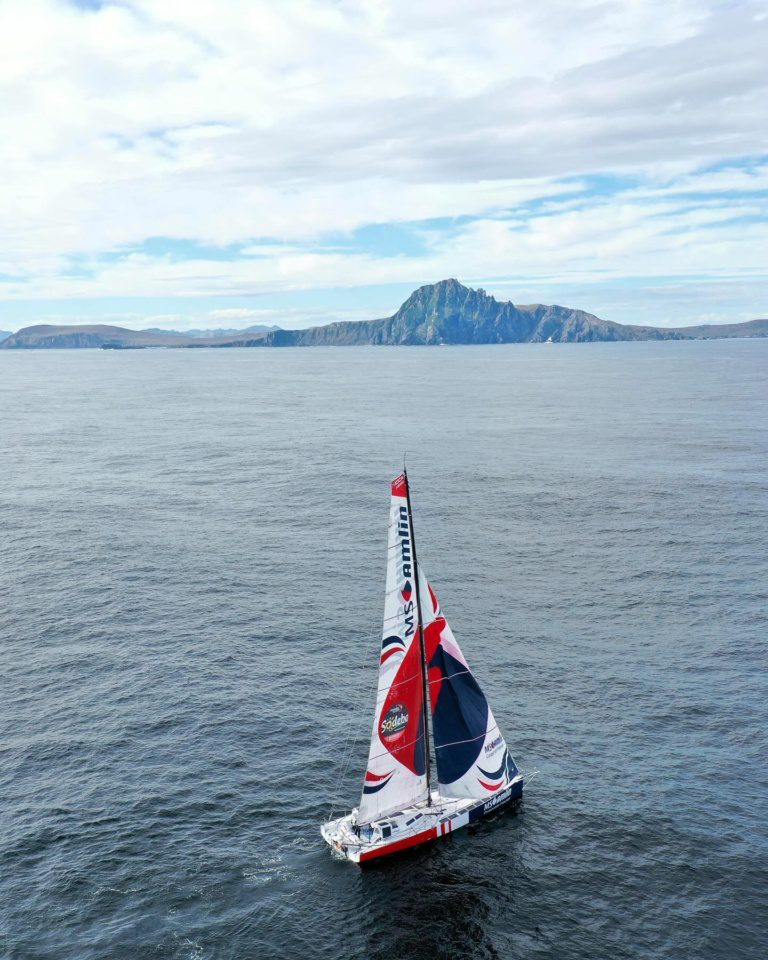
445	313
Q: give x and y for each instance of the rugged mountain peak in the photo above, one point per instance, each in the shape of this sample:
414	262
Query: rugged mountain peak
441	287
443	296
448	312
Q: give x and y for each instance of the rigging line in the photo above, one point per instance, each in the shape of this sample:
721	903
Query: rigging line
453	743
388	593
481	736
347	749
351	742
345	769
393	590
399	683
400	615
342	771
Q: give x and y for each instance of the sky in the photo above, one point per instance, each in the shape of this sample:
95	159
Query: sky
205	164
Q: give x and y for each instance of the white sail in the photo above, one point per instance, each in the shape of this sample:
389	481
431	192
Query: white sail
470	752
396	775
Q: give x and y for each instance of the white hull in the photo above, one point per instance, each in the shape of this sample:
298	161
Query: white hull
413	826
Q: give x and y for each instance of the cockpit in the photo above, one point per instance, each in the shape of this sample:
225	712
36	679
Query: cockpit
373	832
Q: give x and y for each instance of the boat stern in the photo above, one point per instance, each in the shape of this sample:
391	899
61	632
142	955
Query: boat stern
341	838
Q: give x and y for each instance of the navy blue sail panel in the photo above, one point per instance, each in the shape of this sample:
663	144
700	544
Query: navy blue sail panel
459	716
471	754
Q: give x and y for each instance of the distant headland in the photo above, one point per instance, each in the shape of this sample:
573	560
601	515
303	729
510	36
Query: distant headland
440	313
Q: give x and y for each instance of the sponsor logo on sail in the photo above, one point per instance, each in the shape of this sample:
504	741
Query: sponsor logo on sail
394	722
493	745
405	542
406	571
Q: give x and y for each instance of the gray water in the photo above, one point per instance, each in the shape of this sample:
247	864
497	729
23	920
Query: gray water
191	581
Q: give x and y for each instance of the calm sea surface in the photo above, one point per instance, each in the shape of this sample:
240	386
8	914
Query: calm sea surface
191	586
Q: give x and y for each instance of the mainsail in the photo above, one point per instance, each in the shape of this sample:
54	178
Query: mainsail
396	776
471	754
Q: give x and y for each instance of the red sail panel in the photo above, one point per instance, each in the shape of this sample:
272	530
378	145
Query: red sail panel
396	772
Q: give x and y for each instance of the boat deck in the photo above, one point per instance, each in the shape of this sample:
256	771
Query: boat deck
409	827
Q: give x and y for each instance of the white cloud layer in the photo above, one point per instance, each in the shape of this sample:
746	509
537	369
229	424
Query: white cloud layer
299	123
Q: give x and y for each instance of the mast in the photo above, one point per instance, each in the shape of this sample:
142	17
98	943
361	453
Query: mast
422	647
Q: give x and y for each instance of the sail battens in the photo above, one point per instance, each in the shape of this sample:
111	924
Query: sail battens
386	753
456	743
385	688
450	677
446	746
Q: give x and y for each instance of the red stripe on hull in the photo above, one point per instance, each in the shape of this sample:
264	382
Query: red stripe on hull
399	845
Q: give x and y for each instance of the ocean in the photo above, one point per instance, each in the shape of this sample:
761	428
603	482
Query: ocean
191	587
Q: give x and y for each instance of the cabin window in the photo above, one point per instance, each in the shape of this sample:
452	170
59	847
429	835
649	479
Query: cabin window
386	832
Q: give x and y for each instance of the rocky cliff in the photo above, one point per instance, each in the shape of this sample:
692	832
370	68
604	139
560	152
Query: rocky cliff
439	313
450	313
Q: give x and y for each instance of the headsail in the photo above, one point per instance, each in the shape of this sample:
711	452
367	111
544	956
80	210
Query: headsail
396	775
471	754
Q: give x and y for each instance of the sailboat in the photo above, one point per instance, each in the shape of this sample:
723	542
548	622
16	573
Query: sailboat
428	705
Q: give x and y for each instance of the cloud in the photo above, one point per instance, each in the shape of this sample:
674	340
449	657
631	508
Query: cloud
551	140
632	232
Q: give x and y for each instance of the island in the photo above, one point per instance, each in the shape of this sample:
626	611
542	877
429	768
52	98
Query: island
444	313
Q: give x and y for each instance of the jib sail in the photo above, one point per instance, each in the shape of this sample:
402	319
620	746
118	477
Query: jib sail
471	754
396	775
